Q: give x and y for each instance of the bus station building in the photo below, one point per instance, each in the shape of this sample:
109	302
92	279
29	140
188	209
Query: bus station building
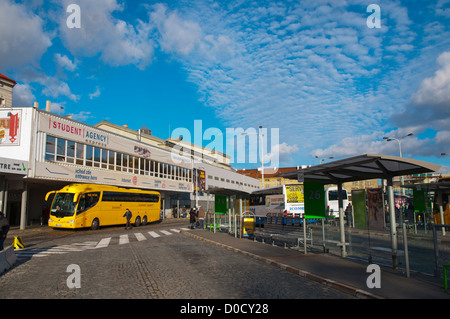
41	151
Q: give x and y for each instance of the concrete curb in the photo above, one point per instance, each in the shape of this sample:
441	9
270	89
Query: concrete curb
356	292
7	259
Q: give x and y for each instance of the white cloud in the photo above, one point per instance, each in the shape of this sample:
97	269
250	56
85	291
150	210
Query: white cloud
312	69
58	108
443	8
176	35
64	62
23	95
430	104
428	108
82	116
96	94
435	91
54	87
23	37
117	42
280	154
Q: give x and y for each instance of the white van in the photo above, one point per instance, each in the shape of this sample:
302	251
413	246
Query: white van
332	202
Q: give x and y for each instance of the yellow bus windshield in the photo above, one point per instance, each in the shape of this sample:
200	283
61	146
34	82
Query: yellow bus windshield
63	205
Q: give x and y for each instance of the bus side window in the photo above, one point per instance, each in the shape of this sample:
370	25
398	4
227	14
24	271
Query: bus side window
87	201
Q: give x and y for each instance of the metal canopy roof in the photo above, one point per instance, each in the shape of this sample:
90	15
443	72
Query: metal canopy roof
368	166
430	187
227	191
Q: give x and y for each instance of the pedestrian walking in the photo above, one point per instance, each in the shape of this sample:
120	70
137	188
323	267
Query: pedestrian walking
192	217
201	217
175	212
4	228
128	215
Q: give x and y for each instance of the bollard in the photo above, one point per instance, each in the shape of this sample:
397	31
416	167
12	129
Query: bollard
18	243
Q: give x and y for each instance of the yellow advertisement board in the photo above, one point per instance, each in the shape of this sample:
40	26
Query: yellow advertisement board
294	194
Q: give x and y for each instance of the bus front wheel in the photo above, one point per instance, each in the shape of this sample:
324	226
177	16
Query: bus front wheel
95	224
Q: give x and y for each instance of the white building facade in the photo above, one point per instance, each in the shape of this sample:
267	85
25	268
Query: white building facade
41	151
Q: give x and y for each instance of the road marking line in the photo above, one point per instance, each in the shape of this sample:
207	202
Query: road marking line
103	243
165	232
32	256
67	248
53	252
175	230
153	234
140	237
123	239
87	243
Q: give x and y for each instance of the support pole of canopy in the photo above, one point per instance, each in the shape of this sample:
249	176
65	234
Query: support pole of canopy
441	210
341	221
393	223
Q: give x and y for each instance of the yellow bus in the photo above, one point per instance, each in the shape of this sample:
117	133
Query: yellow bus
445	204
91	205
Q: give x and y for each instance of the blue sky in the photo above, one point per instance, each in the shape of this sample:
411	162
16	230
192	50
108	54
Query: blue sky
314	70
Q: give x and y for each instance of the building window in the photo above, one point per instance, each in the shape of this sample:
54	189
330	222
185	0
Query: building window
136	165
97	156
70	152
111	160
118	162
50	148
60	150
124	163
104	158
89	155
80	154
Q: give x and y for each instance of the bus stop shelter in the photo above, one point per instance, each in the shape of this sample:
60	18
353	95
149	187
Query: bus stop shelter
229	206
362	167
440	189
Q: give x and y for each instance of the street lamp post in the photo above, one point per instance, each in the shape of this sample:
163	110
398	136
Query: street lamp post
261	136
262	154
388	139
322	159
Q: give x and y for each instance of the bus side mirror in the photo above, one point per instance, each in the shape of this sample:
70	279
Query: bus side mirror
48	194
75	198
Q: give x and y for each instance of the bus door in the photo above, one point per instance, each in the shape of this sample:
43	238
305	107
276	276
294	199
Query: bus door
86	202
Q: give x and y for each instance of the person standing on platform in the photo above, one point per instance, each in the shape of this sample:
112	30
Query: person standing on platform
192	217
4	228
128	215
201	217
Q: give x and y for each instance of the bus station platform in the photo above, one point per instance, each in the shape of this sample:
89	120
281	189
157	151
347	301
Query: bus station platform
344	274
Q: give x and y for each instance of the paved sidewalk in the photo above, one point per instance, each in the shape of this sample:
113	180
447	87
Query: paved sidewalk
343	274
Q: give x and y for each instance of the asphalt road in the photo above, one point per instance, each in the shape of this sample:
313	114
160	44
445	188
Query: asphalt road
149	262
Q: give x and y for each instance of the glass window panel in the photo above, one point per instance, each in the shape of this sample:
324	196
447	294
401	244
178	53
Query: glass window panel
70	148
119	162
80	153
50	148
143	166
70	152
136	165
112	156
96	157
88	155
125	163
104	158
61	150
